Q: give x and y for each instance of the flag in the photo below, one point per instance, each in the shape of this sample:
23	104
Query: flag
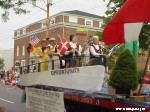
112	49
82	32
126	25
34	40
116	47
63	46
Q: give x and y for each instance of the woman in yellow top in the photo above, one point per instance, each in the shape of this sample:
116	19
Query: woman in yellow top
43	52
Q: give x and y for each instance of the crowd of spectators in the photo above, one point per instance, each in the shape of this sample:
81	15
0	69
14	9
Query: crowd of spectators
10	77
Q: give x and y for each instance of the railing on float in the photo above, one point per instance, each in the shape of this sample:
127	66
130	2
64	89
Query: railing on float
101	61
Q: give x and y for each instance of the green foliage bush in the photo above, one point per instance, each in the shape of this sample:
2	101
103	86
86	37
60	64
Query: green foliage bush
124	74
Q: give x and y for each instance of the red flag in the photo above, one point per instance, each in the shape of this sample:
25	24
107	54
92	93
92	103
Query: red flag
126	25
63	46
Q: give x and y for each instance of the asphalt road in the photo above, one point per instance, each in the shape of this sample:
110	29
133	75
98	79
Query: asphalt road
11	99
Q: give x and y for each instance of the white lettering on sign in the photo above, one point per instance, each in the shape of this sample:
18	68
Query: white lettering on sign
44	101
132	109
65	71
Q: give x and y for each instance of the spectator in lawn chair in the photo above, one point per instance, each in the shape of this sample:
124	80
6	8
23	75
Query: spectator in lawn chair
95	51
73	53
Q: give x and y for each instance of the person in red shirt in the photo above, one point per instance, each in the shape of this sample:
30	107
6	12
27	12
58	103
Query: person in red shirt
147	78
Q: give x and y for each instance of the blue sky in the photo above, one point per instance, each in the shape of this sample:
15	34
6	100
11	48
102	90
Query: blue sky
97	7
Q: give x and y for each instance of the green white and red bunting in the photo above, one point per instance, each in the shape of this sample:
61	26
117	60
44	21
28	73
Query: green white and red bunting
127	23
82	32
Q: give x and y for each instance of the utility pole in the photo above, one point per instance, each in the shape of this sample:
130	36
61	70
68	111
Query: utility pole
49	3
148	57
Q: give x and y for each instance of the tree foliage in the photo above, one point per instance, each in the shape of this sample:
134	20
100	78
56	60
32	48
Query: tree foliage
124	74
2	63
15	5
144	38
99	34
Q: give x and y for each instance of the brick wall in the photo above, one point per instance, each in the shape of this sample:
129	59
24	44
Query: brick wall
81	21
95	23
21	42
34	27
66	19
59	19
81	40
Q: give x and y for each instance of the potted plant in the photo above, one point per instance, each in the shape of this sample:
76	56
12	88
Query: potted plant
124	75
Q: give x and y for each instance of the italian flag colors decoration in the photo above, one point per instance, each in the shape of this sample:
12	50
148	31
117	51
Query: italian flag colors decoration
82	32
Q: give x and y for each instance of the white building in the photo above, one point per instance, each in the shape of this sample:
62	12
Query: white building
8	56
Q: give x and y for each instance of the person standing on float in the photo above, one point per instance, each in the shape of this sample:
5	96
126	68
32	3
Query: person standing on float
43	54
73	53
54	54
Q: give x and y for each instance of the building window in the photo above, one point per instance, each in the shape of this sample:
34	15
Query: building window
52	21
17	50
43	24
23	50
88	22
72	19
24	31
23	63
100	24
18	33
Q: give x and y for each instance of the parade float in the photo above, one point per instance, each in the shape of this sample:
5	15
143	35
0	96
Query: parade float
81	89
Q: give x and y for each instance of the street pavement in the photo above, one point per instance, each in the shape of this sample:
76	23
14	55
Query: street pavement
11	99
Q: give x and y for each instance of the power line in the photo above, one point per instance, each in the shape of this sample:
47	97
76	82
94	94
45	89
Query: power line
44	7
32	15
26	20
96	7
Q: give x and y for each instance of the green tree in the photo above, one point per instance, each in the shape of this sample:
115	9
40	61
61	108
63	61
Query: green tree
124	75
2	63
99	34
15	5
144	38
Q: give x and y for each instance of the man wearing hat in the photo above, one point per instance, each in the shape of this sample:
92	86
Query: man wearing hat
53	44
54	52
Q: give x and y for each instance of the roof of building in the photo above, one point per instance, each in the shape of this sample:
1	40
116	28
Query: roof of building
77	12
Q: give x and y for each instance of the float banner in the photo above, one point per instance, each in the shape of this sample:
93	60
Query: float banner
39	100
89	78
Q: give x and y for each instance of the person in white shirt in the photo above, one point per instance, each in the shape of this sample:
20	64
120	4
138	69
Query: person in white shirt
95	49
73	53
54	54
